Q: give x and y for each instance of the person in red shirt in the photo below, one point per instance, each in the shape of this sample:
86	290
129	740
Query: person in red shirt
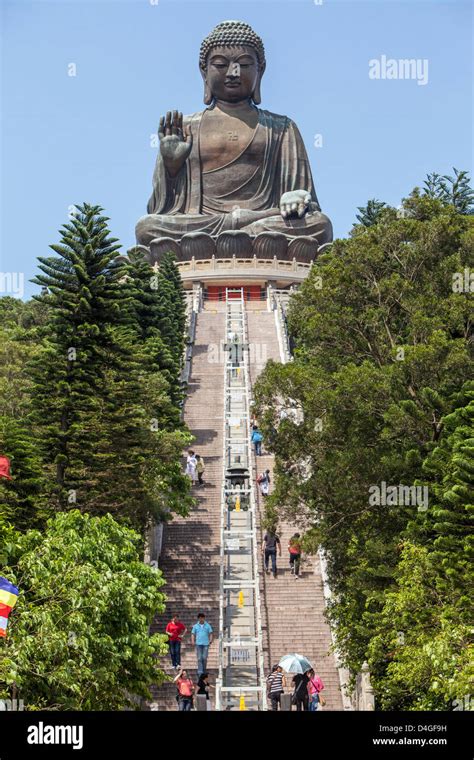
175	630
315	686
294	547
186	690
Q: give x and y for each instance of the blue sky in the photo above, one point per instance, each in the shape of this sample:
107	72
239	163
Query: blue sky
66	139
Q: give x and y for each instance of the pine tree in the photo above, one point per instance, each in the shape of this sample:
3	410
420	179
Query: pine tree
421	654
370	214
146	305
172	318
22	499
451	190
88	405
83	295
449	519
431	184
148	313
102	407
457	191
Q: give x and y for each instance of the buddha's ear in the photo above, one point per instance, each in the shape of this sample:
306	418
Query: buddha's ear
256	95
208	97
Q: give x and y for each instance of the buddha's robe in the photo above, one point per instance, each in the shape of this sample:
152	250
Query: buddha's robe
242	195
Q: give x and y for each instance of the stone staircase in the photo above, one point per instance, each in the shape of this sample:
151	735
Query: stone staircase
293	610
190	550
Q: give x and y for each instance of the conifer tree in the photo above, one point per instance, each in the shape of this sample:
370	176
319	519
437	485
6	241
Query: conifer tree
148	313
449	519
83	287
370	214
172	317
22	499
454	190
91	401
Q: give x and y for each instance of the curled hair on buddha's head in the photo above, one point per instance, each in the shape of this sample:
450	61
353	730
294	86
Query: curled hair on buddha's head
229	34
232	34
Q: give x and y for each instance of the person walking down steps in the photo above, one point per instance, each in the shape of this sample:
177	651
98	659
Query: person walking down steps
191	464
175	630
263	481
204	688
300	697
201	637
276	686
315	687
186	690
200	469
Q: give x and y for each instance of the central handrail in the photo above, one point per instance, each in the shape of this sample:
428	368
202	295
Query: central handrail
234	682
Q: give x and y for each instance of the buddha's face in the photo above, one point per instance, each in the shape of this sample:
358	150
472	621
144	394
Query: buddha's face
232	73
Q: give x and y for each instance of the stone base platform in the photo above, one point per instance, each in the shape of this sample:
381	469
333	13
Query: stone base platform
236	256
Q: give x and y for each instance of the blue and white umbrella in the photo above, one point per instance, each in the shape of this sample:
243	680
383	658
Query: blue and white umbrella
295	663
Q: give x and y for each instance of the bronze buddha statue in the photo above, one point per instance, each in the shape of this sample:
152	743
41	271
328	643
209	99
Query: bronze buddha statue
232	166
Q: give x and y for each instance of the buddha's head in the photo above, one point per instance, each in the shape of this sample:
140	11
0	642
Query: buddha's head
232	62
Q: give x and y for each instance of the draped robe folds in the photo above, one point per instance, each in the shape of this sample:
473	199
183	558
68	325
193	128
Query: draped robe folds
243	195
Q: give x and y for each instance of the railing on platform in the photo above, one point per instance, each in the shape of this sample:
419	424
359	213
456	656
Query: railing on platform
238	262
217	294
193	307
278	301
240	683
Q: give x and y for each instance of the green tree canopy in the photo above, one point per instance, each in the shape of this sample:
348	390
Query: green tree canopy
370	213
78	638
101	405
382	349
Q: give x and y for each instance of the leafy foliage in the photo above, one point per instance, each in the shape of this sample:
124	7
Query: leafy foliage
78	637
90	417
382	349
421	652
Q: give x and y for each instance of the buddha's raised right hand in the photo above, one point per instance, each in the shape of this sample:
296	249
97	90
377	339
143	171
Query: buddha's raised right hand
175	142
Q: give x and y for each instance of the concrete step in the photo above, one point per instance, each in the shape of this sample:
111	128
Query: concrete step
190	552
292	611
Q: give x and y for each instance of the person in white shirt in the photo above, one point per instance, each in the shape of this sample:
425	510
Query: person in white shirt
264	482
191	464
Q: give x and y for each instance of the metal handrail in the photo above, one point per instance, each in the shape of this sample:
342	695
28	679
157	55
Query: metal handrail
236	323
253	510
275	299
